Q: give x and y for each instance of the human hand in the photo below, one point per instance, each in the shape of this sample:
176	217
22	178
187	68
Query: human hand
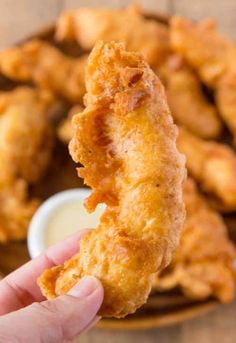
27	317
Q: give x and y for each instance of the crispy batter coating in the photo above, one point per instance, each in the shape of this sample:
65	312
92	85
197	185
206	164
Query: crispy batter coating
47	67
188	104
25	134
213	165
126	141
203	263
16	210
65	130
88	25
213	57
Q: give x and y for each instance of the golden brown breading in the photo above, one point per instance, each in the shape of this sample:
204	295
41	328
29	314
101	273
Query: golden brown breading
47	67
88	25
203	47
213	165
64	130
16	210
213	57
225	95
188	105
203	264
25	134
126	142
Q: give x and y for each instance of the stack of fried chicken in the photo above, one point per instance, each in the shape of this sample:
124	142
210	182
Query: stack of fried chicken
196	64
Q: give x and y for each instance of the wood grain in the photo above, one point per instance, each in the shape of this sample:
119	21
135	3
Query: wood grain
160	5
17	19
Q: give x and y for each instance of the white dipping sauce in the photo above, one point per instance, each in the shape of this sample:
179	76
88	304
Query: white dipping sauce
60	216
69	218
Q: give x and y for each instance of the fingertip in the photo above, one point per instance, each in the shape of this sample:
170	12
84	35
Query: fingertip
86	287
67	316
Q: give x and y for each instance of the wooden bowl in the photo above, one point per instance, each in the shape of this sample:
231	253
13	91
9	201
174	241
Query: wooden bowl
162	309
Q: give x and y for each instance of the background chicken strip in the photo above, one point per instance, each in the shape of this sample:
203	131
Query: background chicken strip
189	106
88	25
213	57
126	141
47	67
203	264
16	210
25	151
225	95
25	133
213	165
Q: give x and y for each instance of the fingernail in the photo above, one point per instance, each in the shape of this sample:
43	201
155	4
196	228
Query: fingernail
86	286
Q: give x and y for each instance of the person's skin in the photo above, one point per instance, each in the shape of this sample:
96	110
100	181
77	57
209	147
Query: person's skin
26	317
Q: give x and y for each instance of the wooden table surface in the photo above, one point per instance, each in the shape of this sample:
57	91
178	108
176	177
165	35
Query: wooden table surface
17	19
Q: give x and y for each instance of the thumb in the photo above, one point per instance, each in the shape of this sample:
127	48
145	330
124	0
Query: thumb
57	320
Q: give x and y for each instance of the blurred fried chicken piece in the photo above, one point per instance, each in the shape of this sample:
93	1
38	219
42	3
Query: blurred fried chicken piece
226	99
25	134
203	264
16	210
213	57
47	67
189	106
213	165
64	130
88	25
126	142
25	151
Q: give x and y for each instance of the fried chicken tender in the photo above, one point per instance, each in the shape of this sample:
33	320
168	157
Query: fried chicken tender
25	135
202	265
16	210
47	67
88	25
188	104
126	141
64	130
213	165
213	57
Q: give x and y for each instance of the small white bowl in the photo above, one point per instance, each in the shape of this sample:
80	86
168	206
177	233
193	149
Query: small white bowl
40	222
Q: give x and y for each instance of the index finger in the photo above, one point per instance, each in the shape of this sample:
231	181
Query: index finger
20	289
